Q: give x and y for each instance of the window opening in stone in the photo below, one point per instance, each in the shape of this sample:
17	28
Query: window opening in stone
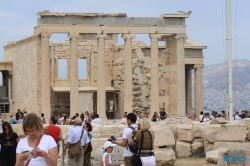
62	69
82	69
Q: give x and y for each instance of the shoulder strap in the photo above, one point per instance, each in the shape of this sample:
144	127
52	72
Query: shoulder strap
81	136
151	133
37	143
131	127
142	136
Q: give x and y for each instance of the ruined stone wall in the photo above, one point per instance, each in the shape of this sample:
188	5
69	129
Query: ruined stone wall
26	83
142	76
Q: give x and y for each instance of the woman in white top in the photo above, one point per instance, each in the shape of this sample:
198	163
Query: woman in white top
106	157
42	148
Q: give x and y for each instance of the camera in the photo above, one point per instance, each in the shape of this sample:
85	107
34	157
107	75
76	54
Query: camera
112	138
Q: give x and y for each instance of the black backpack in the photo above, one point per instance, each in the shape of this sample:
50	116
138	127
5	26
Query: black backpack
133	148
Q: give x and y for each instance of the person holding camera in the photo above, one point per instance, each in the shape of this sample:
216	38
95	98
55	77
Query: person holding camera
131	120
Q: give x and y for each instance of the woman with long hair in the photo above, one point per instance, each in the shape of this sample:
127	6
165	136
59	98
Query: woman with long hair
42	148
82	118
8	142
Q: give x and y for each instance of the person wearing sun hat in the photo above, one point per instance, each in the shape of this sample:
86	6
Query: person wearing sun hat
74	136
106	157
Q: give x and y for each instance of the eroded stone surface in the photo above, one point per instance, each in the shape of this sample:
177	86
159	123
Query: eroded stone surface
163	138
212	156
165	157
185	132
183	149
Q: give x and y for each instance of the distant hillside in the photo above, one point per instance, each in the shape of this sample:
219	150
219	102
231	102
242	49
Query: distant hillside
215	87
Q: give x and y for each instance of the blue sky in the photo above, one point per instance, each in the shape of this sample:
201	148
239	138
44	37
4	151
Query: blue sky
206	25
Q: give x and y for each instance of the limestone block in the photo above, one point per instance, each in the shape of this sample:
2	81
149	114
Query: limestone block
186	121
221	133
197	147
163	137
247	121
236	156
211	132
212	156
185	132
218	145
199	129
164	157
231	132
219	121
108	129
183	149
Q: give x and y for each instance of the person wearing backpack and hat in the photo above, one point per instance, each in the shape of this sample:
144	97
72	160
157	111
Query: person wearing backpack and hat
131	120
78	139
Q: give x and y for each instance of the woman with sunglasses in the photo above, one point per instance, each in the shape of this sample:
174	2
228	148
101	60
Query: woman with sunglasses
8	142
36	149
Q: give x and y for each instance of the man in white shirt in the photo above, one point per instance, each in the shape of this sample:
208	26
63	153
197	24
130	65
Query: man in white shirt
74	136
97	119
131	119
236	117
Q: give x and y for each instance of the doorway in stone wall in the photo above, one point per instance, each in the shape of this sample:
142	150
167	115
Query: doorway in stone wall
110	105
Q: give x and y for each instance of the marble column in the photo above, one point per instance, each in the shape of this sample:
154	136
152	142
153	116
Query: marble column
9	88
198	90
128	96
189	90
45	69
101	73
154	93
181	101
52	67
74	106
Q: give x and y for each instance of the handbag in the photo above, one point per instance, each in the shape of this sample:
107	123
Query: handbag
136	160
37	143
75	149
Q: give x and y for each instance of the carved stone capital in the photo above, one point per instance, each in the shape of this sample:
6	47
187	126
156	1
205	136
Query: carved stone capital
155	37
74	36
101	36
45	35
181	37
126	36
198	66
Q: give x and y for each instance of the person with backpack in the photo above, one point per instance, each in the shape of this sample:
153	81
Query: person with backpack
77	143
131	120
144	141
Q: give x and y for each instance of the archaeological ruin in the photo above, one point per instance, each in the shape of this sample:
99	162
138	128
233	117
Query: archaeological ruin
120	77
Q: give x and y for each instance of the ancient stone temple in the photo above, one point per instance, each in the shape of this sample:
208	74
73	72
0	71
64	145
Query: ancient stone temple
129	77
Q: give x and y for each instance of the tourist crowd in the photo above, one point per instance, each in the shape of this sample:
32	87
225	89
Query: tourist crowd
40	145
204	117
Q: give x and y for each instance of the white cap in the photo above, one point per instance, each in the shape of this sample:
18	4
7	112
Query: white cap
108	144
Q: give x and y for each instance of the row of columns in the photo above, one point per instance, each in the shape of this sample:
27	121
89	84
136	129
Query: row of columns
101	91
